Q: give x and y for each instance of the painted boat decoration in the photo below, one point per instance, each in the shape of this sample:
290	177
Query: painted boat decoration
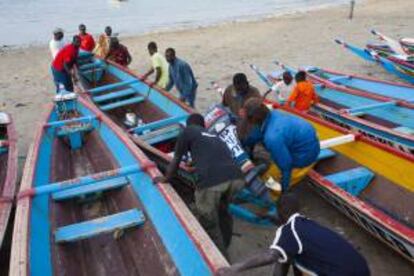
387	121
391	63
88	205
362	178
8	170
368	182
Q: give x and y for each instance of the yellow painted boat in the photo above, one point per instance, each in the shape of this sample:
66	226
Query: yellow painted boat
370	182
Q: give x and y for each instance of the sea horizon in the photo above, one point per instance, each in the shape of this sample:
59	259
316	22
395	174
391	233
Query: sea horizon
31	22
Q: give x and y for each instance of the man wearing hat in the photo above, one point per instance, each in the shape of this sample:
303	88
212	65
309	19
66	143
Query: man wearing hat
57	42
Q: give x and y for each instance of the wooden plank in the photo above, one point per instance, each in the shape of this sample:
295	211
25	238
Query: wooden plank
114	95
325	154
122	103
159	124
370	107
85	119
354	181
91	228
336	141
163	134
405	130
111	86
100	186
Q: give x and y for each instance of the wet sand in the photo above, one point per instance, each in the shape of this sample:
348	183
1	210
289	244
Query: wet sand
218	52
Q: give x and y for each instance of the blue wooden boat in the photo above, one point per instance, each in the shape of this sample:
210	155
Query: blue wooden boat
88	205
152	117
404	46
8	171
366	86
391	63
387	122
364	179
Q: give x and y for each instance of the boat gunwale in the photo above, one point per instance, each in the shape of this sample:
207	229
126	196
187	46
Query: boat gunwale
366	122
369	78
20	262
10	181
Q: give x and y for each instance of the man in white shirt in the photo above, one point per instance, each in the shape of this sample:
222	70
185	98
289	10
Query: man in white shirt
57	42
281	91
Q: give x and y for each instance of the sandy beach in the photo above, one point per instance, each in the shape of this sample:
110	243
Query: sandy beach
216	53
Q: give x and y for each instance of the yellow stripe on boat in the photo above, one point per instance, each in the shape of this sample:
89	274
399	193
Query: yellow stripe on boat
395	168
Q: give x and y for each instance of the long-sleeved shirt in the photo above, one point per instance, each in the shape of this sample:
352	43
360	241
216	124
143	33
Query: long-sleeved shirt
291	141
303	95
181	75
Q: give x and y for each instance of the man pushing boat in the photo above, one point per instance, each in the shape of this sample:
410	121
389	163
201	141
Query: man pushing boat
310	248
291	141
218	177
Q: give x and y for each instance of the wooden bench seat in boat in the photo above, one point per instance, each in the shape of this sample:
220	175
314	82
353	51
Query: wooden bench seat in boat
353	181
163	134
117	104
107	224
92	188
325	154
114	95
107	87
360	109
158	124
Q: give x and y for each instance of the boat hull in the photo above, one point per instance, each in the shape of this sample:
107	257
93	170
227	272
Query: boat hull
8	176
169	237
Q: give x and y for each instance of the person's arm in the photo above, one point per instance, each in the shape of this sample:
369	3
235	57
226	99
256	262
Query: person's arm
170	80
157	74
293	96
148	73
227	91
129	58
261	259
181	148
281	156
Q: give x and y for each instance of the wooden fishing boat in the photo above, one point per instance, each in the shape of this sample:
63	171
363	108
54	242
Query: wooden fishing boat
404	46
88	205
8	170
391	63
377	117
158	116
366	86
369	182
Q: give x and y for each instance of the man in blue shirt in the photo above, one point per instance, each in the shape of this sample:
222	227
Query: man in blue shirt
311	248
182	76
290	140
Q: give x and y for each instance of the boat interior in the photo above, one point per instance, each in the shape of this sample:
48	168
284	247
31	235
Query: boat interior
82	216
146	113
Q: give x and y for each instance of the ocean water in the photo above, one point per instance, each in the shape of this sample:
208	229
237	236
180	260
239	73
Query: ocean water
26	22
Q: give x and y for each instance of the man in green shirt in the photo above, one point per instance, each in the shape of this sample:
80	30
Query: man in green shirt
159	66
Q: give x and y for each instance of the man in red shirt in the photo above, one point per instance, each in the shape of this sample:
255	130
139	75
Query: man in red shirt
63	63
87	41
118	53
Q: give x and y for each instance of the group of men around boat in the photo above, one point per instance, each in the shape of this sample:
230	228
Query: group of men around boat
291	142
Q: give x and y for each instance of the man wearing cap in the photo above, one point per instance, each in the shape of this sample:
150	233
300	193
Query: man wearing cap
57	42
87	41
63	63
